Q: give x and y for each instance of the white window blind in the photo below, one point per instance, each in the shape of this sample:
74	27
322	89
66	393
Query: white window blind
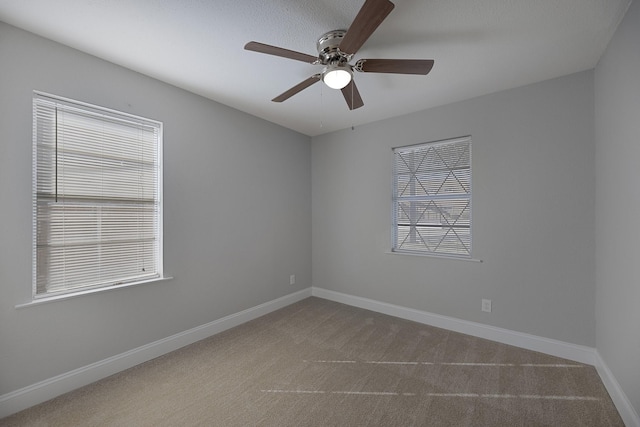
432	198
97	197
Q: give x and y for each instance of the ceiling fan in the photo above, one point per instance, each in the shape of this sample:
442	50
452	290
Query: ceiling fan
336	48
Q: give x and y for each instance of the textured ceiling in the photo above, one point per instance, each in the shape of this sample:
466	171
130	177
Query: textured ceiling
479	47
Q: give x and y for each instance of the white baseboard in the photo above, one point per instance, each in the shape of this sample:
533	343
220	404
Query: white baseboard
562	349
578	353
42	391
620	399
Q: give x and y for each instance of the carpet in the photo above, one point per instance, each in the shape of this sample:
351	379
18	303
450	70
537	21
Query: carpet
321	363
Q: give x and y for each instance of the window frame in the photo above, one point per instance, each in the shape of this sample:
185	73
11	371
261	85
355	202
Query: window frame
41	100
396	199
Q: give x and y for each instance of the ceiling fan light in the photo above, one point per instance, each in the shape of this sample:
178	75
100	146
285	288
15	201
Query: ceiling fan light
336	77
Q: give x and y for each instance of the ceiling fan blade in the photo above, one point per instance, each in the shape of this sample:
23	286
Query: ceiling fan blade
278	51
352	96
297	88
370	16
396	66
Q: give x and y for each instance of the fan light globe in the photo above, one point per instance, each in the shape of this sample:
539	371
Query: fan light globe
336	77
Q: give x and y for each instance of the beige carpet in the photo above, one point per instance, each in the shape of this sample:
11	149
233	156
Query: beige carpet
319	363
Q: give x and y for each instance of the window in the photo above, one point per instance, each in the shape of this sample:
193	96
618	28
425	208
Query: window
97	206
432	198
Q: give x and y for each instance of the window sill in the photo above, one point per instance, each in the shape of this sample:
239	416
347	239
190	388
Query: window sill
452	258
61	297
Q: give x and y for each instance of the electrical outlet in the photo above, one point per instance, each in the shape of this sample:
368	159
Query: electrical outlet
486	305
292	279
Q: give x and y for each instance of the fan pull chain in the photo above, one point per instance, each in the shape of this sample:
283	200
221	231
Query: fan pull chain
321	107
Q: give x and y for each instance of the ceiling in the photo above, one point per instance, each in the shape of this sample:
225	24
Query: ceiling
479	47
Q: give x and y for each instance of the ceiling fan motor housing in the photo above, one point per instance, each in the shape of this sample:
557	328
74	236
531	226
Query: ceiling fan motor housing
328	52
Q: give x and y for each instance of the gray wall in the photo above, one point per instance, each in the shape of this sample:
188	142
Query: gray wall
617	129
533	212
237	215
